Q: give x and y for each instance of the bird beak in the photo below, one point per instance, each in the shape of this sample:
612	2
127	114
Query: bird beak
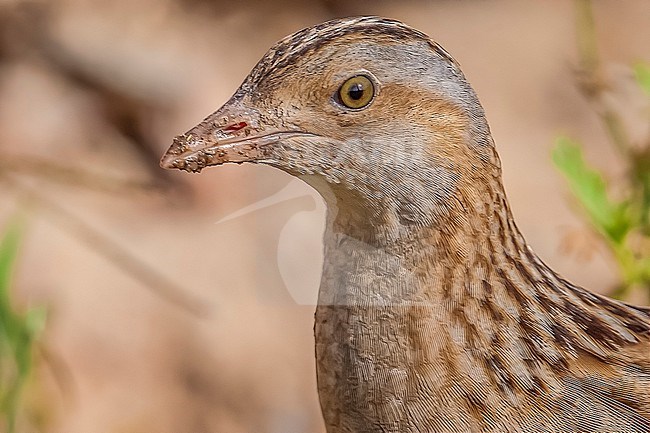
234	133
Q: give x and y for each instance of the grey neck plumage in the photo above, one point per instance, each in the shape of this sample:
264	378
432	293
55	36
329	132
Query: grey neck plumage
458	318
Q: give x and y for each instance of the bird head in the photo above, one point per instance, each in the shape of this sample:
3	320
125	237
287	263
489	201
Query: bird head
372	113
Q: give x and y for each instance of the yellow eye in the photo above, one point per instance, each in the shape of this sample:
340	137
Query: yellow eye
357	92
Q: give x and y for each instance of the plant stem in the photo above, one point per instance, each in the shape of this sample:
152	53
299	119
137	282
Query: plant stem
591	81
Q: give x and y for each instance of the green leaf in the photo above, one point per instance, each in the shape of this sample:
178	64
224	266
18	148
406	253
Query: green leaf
589	187
11	332
642	74
8	253
9	320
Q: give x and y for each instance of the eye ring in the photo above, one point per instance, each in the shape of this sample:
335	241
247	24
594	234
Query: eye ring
357	92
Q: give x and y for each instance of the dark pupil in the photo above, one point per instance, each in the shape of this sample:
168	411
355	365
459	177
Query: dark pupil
356	91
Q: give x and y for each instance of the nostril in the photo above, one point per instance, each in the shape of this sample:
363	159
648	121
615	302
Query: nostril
235	127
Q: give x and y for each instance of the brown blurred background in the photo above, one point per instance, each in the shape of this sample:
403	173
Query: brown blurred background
123	253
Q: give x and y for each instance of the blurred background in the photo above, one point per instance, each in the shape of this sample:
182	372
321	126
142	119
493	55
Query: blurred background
167	302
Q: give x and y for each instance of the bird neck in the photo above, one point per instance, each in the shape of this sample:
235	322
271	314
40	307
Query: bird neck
471	236
472	260
458	306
